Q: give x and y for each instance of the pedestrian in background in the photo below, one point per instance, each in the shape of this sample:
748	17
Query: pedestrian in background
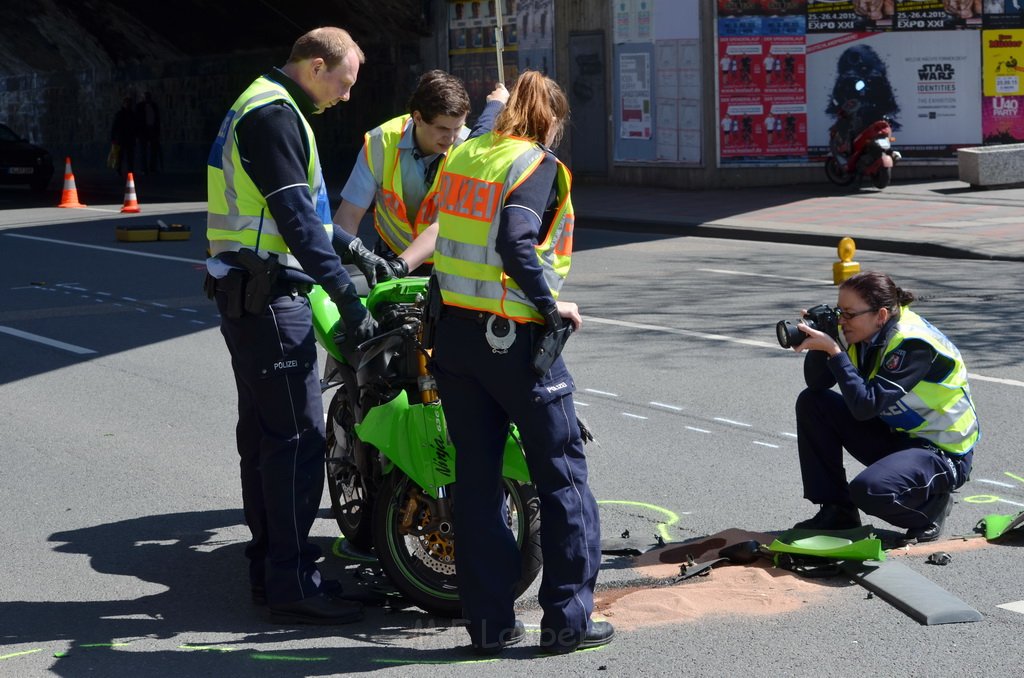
147	122
122	137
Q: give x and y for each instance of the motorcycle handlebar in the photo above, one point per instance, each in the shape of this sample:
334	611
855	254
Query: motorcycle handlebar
407	329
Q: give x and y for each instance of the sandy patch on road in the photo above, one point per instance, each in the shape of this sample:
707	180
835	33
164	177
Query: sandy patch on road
747	590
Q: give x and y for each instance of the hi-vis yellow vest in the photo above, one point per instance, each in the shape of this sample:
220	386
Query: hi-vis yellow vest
942	413
237	215
476	180
390	216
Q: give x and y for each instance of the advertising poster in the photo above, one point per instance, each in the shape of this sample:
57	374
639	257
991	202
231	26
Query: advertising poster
535	35
635	106
1003	62
785	128
777	7
928	88
836	16
1003	14
929	15
1002	120
740	65
739	7
741	135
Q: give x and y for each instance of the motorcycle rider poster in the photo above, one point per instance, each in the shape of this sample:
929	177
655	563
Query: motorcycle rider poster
928	89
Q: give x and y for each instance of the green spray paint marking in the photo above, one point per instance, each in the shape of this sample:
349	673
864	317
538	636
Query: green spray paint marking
261	656
336	549
662	527
433	661
20	654
207	648
1017	478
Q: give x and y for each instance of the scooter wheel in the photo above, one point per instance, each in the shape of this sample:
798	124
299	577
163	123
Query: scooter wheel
882	178
836	174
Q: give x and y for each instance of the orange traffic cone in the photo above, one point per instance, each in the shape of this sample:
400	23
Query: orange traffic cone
131	203
69	197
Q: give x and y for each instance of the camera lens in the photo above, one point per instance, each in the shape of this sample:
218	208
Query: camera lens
789	335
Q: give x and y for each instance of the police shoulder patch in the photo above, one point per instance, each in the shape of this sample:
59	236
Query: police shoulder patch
895	360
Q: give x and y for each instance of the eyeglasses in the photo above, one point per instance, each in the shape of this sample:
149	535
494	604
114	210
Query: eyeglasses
850	315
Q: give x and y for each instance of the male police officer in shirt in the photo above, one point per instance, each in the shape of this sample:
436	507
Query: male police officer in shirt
396	172
271	237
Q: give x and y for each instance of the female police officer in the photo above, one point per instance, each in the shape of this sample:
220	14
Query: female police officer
904	410
503	251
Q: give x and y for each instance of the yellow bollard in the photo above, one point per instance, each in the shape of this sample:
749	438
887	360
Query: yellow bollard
846	266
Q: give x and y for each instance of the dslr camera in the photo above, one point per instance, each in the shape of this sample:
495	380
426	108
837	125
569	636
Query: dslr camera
822	317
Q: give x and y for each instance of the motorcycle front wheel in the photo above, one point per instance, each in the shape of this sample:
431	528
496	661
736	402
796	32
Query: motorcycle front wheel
351	504
417	549
836	173
883	177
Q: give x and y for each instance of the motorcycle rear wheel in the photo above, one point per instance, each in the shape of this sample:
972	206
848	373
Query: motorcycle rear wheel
421	559
883	177
351	505
836	173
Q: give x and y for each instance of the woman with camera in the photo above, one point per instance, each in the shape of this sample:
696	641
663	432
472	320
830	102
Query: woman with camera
903	409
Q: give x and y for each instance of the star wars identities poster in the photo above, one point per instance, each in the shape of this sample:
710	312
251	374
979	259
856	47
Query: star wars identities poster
1003	101
928	88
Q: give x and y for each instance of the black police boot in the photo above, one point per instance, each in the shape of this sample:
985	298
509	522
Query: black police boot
832	517
600	633
507	637
931	532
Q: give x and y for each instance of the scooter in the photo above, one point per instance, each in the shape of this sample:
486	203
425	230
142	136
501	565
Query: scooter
870	154
390	462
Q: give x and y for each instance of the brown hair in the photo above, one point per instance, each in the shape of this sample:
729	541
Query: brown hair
878	291
439	93
534	105
328	43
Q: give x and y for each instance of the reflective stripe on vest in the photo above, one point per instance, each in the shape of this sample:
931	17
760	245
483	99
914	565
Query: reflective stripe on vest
391	218
941	413
477	179
237	214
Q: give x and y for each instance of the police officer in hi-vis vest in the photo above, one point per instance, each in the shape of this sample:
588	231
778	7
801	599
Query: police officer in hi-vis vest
503	250
271	237
903	409
397	171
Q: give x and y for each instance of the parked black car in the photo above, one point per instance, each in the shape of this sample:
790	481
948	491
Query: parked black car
22	162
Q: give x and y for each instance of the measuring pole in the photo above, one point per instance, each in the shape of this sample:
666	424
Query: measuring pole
499	43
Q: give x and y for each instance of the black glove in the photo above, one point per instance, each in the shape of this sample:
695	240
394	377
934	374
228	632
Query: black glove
392	268
365	260
357	325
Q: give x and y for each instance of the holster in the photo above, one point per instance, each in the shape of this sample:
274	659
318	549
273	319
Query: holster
233	287
262	276
549	347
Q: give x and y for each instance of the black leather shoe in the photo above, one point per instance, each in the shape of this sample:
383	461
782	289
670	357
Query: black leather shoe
508	637
332	589
923	535
318	609
831	517
600	633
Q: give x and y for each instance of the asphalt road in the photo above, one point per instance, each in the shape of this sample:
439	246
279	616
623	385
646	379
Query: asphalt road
123	535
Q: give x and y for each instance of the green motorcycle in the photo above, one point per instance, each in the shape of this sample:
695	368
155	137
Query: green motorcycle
390	462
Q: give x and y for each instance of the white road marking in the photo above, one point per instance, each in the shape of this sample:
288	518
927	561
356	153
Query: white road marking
581	403
1017	606
53	343
685	333
633	416
698	430
604	393
730	421
104	249
788	434
993	482
758	442
1007	501
666	406
763	275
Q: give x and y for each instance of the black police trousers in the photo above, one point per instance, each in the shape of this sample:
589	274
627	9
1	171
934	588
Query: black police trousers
482	391
906	479
281	441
